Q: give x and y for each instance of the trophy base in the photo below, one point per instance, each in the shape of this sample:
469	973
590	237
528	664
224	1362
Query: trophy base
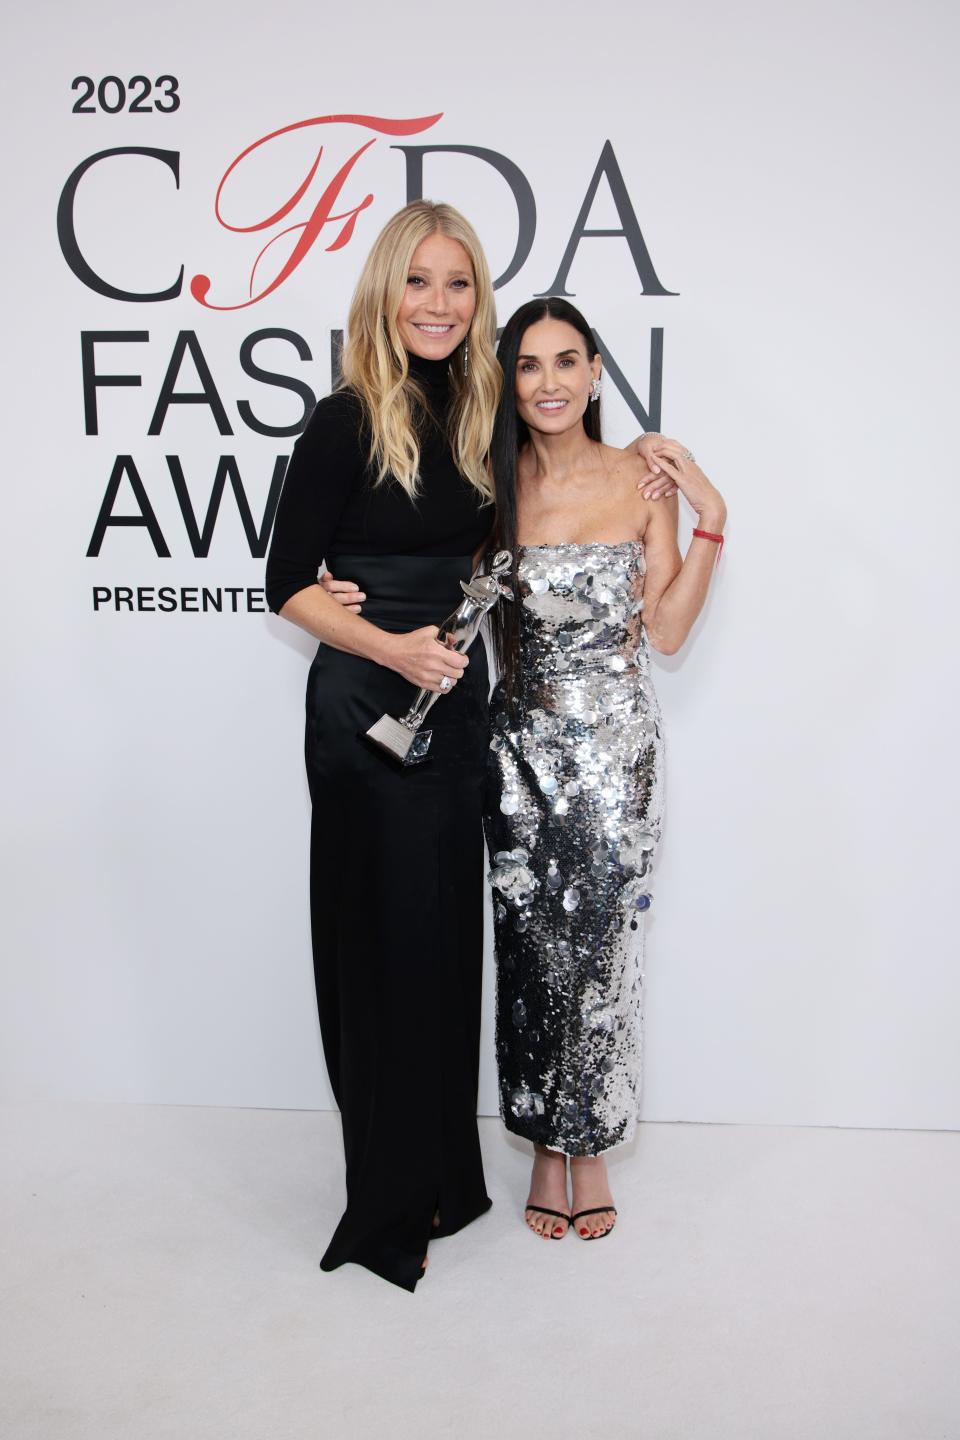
407	746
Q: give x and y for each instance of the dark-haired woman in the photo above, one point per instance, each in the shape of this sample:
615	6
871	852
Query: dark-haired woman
576	762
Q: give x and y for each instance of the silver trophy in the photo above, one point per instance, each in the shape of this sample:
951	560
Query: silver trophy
404	739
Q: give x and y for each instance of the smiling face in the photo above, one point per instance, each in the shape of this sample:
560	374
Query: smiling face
554	376
439	299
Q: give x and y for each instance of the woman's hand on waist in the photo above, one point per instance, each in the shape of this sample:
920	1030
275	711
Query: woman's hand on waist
345	592
419	657
416	655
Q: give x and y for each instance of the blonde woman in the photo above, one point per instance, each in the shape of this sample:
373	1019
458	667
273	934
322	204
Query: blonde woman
389	485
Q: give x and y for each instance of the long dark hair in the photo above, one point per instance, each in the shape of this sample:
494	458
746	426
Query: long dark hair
510	434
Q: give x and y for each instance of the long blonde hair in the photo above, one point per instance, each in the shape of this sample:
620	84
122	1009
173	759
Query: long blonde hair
375	363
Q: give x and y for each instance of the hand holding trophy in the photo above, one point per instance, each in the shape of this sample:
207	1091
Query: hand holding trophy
404	739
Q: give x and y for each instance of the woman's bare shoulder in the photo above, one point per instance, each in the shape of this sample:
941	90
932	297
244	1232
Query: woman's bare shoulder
624	465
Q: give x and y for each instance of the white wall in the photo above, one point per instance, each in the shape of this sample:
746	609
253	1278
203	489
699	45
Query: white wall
791	169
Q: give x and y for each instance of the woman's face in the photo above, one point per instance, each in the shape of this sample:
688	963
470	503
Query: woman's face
554	376
439	299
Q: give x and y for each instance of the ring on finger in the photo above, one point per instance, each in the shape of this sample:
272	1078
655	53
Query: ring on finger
689	455
445	683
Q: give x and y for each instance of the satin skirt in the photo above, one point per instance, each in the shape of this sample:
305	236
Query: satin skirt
396	876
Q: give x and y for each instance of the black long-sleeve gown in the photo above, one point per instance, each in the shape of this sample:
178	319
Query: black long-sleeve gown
396	854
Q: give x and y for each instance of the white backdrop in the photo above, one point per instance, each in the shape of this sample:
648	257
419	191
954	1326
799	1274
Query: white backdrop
789	167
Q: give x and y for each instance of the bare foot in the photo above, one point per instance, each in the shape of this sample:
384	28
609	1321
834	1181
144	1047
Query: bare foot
591	1191
548	1187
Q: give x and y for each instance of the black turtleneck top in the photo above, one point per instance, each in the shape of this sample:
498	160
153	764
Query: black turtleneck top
330	505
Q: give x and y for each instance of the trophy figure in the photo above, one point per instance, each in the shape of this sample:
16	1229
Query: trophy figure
404	739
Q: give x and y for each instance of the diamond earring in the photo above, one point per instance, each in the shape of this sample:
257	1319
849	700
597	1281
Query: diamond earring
595	389
466	356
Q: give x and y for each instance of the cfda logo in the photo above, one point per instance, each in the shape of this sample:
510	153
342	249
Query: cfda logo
330	200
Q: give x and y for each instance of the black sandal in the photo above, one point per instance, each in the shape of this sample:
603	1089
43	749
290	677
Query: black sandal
597	1210
542	1210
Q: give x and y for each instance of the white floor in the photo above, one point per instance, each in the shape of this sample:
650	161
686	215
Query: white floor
160	1280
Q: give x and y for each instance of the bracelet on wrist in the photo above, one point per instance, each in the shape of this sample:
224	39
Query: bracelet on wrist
709	535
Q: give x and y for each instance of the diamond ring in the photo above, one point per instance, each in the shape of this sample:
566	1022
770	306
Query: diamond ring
445	683
689	455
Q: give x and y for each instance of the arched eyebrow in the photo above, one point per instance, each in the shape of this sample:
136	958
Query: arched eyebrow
559	355
451	274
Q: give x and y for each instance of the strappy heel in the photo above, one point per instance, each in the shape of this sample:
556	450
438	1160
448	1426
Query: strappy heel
597	1210
543	1210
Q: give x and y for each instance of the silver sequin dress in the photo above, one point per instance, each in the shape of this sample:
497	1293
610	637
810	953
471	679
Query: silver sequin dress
573	816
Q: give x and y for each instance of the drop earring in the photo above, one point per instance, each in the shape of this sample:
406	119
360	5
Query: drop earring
595	389
466	356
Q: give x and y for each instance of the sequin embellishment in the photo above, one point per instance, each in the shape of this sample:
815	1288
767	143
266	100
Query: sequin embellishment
575	773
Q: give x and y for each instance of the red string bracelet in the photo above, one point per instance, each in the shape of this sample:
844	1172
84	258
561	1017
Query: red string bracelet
709	535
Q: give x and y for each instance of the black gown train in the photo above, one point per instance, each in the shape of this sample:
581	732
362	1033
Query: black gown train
396	854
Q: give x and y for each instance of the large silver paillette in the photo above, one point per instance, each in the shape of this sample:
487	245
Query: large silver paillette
573	825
